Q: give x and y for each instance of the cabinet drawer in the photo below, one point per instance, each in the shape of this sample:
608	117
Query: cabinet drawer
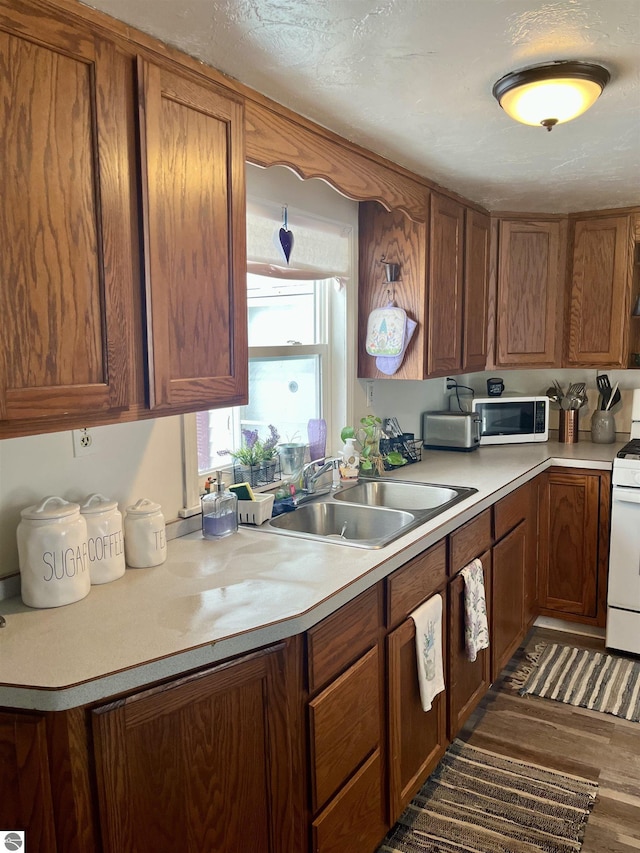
469	541
511	510
412	584
344	724
354	820
342	637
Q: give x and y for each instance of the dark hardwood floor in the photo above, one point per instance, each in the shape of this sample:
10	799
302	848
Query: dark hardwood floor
574	740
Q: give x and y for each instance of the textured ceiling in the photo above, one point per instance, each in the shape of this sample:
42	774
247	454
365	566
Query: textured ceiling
412	79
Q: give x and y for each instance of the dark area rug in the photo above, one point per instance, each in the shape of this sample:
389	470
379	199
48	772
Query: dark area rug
480	802
580	677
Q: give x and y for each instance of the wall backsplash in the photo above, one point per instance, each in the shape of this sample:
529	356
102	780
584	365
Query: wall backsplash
142	459
407	400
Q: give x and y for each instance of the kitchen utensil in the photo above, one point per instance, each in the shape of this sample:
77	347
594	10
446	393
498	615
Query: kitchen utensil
615	398
612	397
604	386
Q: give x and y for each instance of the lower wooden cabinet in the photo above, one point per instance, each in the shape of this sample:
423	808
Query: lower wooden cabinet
574	544
26	802
202	763
467	681
417	739
345	715
507	596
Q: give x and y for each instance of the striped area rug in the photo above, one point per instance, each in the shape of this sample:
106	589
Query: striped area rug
479	802
587	679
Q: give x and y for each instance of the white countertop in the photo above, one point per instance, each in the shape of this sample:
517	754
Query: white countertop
211	600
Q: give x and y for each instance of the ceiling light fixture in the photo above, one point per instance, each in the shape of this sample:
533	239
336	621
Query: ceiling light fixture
550	94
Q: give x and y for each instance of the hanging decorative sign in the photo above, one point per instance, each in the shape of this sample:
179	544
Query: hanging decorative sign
285	236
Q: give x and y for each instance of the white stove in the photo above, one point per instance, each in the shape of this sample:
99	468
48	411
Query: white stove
623	595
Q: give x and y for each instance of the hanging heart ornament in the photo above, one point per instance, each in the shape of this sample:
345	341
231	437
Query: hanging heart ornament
286	237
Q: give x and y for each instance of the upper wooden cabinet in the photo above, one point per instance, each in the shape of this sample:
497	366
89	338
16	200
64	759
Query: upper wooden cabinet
477	242
445	286
530	298
66	260
600	293
400	240
192	149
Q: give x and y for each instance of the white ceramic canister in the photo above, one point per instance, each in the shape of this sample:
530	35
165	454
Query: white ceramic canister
52	554
145	540
105	542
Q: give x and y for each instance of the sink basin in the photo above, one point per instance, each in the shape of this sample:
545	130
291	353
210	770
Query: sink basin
345	523
369	514
401	494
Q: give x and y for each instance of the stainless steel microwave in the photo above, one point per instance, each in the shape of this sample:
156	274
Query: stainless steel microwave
512	419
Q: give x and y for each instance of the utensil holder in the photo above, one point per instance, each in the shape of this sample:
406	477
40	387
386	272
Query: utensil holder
568	426
603	427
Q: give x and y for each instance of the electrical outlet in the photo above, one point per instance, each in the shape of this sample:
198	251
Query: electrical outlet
449	383
369	388
84	442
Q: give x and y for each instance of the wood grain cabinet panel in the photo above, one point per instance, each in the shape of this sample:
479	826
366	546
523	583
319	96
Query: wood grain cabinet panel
400	240
414	582
446	259
573	544
509	558
468	680
477	242
469	540
417	739
354	820
66	262
344	724
530	299
193	200
343	637
601	283
26	801
203	763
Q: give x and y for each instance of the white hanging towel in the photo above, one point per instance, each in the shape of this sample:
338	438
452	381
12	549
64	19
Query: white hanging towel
476	626
428	619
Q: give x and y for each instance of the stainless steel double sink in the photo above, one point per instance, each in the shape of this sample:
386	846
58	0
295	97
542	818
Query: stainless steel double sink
369	514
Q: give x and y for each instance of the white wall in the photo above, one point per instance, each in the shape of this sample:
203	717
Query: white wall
136	460
407	400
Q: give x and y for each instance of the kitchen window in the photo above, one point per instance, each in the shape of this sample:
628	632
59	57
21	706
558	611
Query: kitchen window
297	332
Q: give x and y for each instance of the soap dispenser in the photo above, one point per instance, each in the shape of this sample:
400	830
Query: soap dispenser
219	512
350	463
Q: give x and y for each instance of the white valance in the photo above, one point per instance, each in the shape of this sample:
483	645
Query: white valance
321	248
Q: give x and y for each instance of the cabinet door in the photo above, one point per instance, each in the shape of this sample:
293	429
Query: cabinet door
200	764
417	740
66	263
530	293
397	239
569	522
26	801
477	233
467	682
600	292
507	597
446	257
193	198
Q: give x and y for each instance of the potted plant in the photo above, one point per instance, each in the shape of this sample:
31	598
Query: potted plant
269	455
256	458
367	436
